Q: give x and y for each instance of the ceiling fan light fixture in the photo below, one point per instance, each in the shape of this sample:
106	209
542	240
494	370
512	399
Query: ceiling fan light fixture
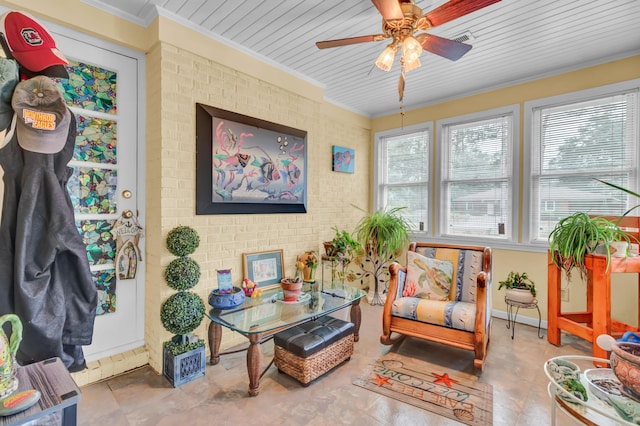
385	60
411	65
411	48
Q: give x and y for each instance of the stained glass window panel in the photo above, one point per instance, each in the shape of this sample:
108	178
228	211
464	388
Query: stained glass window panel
106	284
89	87
97	236
96	140
93	190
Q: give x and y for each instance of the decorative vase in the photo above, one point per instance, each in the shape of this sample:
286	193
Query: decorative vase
291	289
309	258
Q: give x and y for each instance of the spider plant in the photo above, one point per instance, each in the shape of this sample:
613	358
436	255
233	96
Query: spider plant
383	234
628	191
577	235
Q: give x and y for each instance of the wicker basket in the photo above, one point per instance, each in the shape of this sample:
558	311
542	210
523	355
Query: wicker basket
305	370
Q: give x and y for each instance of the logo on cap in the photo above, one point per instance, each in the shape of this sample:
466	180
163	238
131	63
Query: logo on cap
31	36
39	120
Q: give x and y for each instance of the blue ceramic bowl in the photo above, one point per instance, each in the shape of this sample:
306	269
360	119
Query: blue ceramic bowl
226	300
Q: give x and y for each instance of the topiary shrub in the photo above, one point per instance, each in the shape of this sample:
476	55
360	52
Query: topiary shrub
182	312
182	241
182	273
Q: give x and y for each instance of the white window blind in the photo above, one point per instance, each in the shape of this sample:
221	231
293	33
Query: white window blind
476	182
574	143
404	176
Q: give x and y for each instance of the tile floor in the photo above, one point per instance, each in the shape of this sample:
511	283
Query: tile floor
513	367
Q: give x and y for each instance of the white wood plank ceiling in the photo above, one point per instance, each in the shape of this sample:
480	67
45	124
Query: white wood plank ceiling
513	41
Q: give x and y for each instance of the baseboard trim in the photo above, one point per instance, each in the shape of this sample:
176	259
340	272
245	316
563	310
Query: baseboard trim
521	319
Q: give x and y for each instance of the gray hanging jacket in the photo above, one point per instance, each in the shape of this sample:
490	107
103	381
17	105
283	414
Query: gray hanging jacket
51	287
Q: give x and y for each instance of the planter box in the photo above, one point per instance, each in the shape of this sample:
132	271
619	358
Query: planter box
183	368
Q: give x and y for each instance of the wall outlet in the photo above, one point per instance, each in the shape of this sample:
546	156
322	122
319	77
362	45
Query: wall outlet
564	294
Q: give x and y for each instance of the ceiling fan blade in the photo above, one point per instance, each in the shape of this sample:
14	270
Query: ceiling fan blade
444	47
389	9
455	9
351	40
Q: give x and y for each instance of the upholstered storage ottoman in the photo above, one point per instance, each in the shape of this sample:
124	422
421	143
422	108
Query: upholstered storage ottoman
307	351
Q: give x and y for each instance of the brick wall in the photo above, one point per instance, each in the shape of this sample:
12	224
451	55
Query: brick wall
177	80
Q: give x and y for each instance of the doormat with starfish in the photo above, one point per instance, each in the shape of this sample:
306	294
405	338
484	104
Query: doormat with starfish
451	394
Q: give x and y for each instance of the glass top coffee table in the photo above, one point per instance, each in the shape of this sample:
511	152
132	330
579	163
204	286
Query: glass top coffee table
258	319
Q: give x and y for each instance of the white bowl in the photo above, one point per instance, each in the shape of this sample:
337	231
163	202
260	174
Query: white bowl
603	383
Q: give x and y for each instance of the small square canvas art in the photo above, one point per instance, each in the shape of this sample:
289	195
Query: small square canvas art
344	159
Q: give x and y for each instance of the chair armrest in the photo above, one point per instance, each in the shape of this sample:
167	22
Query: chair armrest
397	276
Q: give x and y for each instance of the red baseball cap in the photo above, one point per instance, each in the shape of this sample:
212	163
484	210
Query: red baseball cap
29	42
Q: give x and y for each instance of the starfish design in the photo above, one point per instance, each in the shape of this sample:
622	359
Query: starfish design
381	380
444	379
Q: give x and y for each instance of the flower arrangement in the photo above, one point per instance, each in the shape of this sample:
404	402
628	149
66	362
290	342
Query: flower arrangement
306	265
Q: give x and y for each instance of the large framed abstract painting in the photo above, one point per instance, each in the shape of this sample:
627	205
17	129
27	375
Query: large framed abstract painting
246	165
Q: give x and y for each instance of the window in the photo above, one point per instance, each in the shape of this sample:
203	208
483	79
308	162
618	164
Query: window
574	140
477	175
402	178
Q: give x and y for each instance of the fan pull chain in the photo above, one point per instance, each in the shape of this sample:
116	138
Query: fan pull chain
401	90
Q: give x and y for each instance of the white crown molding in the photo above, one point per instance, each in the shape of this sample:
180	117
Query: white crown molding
149	13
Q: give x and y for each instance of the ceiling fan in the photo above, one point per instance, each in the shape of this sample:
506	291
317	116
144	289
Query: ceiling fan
401	19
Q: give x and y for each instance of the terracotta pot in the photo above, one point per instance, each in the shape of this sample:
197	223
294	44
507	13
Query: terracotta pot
291	290
625	363
329	249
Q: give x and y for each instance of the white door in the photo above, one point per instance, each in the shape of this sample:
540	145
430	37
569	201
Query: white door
104	93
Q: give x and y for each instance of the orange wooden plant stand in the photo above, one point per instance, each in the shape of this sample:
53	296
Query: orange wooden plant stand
596	320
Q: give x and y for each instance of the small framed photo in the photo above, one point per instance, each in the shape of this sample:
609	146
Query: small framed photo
264	268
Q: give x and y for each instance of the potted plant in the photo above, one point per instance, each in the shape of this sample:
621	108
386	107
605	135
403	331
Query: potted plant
383	235
182	312
342	245
291	288
628	191
577	235
519	287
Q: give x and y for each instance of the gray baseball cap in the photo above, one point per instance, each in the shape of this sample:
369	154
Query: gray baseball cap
42	115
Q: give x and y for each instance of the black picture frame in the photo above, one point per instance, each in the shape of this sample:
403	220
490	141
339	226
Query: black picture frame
245	165
268	261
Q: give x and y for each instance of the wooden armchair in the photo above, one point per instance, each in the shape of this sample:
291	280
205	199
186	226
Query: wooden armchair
442	295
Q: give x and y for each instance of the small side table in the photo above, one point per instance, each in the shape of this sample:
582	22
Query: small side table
511	318
337	265
58	393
